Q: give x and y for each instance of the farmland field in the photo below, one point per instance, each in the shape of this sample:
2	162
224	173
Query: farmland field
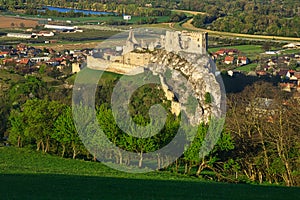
26	174
95	19
6	22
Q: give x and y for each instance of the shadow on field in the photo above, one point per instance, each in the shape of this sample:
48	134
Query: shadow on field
239	81
31	186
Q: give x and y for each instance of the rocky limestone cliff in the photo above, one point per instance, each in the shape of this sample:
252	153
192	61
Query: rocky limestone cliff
187	75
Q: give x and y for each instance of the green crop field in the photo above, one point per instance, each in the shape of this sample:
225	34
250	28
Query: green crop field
26	174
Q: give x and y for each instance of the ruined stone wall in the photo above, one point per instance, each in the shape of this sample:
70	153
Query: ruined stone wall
139	59
119	68
192	42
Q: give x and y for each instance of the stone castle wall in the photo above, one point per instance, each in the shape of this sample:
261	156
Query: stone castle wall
138	59
119	68
191	42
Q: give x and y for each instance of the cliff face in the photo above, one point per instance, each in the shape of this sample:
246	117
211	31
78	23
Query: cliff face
189	75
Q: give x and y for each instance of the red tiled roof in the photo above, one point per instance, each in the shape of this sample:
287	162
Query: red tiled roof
261	72
229	58
242	58
24	61
292	71
220	52
4	53
57	59
8	60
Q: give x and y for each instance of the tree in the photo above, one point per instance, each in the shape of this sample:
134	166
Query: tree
17	127
64	131
41	116
22	25
264	126
142	144
192	155
111	130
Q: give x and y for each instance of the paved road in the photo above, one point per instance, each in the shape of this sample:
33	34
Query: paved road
189	26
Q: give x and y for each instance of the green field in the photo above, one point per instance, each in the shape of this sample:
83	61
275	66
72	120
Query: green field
26	174
247	68
291	51
251	51
95	19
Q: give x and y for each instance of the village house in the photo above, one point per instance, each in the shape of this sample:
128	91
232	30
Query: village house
8	60
45	33
271	63
214	56
20	35
4	54
21	47
230	52
25	62
268	68
283	73
261	73
242	60
76	67
127	17
229	60
221	52
54	62
39	59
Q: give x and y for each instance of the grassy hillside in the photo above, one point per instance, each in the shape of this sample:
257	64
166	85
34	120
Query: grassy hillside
25	174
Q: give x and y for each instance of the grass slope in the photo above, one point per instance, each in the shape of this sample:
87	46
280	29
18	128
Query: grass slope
25	174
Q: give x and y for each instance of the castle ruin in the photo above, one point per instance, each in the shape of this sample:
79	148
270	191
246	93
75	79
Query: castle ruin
190	42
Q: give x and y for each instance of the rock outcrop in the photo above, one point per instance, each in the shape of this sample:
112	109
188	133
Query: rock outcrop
187	74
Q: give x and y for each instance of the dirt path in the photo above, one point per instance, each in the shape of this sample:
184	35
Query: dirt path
190	12
74	46
189	26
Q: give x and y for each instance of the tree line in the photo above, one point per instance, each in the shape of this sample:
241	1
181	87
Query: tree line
259	143
238	16
252	17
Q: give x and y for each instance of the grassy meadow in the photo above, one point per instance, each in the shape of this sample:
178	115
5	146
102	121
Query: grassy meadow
247	68
26	174
251	51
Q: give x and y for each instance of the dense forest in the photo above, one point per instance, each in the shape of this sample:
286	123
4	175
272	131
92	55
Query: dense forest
276	18
260	146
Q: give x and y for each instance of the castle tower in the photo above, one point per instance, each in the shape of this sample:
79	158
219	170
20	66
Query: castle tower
131	37
131	43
